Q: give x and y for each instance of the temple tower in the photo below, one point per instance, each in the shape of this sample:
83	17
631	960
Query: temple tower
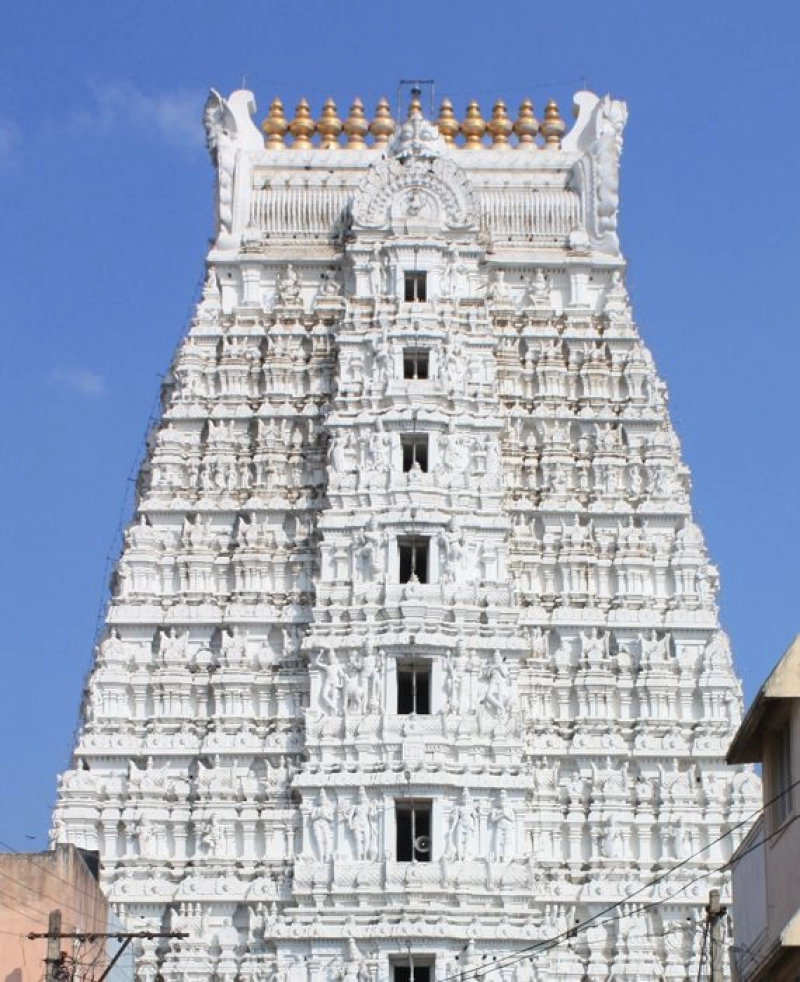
412	663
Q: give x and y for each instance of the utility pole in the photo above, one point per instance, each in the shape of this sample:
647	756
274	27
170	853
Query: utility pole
714	914
52	963
53	971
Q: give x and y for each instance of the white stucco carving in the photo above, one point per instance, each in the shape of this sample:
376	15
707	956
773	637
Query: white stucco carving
413	641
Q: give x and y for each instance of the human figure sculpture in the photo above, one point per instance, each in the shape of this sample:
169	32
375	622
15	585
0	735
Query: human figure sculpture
503	818
456	668
497	291
353	692
288	287
331	681
594	647
371	665
376	274
613	843
539	289
371	546
461	828
321	818
360	821
498	685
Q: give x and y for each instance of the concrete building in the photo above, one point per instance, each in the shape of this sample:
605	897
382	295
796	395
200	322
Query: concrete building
412	666
766	885
34	884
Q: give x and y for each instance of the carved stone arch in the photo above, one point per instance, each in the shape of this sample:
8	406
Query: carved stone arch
434	193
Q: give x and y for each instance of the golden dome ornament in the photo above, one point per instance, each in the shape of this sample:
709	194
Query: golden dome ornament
473	127
447	123
302	127
329	126
527	126
356	126
553	127
500	127
382	125
275	126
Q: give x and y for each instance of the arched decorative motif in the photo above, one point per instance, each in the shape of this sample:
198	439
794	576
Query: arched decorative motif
434	190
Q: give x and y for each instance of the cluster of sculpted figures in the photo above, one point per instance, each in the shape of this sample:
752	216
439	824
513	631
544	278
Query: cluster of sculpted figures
361	819
358	688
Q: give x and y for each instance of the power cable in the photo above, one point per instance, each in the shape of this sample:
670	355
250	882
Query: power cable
538	948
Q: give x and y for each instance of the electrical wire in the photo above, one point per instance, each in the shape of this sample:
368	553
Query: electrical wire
539	948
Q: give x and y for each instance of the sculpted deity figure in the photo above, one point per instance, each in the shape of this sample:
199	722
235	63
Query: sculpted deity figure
498	693
112	648
377	280
454	553
453	365
210	836
497	292
461	828
329	287
371	552
717	653
172	646
233	648
616	299
539	644
613	842
146	835
594	649
321	818
370	667
378	448
456	669
361	822
503	818
539	290
287	290
342	455
353	691
331	681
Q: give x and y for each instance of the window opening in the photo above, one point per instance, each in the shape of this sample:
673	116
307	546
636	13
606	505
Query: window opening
412	972
413	689
413	552
415	451
413	819
416	286
415	363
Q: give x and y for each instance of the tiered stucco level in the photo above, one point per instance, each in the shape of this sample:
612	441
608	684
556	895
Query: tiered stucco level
412	656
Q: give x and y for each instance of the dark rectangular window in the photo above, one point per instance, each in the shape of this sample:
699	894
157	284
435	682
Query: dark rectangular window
416	287
413	689
415	451
415	363
411	973
413	831
413	559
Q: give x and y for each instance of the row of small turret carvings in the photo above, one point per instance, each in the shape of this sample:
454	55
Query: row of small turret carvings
472	129
632	945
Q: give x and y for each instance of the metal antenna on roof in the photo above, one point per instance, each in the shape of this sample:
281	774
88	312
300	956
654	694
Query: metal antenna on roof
415	87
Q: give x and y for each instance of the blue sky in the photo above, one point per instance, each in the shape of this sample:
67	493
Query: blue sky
105	198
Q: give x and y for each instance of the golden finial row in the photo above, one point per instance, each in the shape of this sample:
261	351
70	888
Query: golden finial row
468	134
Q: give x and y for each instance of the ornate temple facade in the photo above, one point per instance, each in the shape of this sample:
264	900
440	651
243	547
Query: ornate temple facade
412	668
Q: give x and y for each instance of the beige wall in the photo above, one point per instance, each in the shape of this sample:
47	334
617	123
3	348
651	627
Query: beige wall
33	884
783	848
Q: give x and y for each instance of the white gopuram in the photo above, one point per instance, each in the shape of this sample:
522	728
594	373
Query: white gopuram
412	668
